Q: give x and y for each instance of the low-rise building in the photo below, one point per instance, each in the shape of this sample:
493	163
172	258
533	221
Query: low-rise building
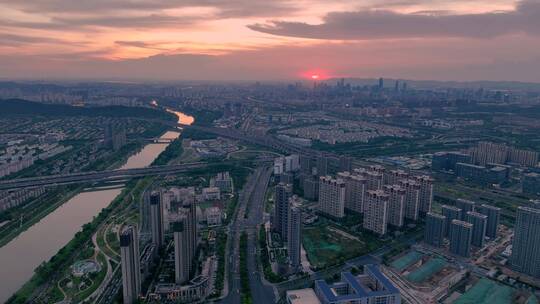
196	290
370	287
211	193
213	216
302	296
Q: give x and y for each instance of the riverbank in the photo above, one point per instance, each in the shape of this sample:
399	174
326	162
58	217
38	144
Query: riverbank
24	218
78	210
47	271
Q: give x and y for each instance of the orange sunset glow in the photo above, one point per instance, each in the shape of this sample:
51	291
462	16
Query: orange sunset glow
268	39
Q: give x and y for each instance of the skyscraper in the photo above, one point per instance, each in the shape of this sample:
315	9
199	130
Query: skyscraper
412	198
479	222
531	183
426	193
114	137
345	164
435	226
182	261
311	188
306	164
322	166
131	270
393	177
460	238
493	217
465	206
355	188
526	245
332	196
156	219
376	211
396	204
283	193
451	213
294	240
375	180
189	212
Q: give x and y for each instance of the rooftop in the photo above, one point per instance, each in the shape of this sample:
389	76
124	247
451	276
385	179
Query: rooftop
302	296
357	286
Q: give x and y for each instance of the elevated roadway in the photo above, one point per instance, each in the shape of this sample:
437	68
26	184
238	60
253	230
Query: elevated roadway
107	175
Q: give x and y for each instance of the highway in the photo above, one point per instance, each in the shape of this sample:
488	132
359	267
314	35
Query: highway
233	244
107	175
251	200
124	174
261	292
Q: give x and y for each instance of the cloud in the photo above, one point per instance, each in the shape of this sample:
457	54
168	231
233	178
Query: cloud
413	59
226	8
384	24
140	44
88	23
11	39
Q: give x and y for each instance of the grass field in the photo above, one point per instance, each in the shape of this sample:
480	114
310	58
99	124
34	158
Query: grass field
326	247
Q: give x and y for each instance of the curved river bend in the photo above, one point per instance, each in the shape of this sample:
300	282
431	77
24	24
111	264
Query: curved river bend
39	243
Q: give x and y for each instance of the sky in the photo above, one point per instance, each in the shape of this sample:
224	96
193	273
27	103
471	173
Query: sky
270	40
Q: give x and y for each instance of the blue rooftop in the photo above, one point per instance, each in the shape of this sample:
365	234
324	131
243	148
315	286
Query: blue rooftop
356	290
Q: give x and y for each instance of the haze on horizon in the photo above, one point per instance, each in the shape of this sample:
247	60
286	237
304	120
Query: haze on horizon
270	40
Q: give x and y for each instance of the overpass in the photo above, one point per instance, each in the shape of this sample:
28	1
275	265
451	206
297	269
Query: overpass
123	174
267	141
105	176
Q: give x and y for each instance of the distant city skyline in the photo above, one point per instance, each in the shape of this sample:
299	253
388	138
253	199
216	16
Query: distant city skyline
270	40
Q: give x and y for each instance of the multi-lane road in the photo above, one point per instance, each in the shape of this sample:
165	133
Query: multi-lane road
248	216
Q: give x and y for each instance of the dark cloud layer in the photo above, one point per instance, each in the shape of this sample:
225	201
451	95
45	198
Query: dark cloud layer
226	8
11	39
383	24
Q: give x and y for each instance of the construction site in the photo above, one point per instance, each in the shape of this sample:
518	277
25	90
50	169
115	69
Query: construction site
422	277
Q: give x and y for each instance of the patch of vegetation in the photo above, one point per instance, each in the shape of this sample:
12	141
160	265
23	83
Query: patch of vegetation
173	151
221	243
64	257
326	247
265	259
244	275
12	107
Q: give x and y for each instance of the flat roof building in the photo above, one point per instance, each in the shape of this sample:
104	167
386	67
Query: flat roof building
130	264
526	245
465	206
460	238
302	296
493	217
479	222
412	198
396	204
435	226
332	196
156	219
370	287
451	213
376	212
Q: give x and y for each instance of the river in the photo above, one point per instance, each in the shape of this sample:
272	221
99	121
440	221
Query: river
39	243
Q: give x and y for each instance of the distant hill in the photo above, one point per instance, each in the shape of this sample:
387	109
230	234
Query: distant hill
433	84
12	107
